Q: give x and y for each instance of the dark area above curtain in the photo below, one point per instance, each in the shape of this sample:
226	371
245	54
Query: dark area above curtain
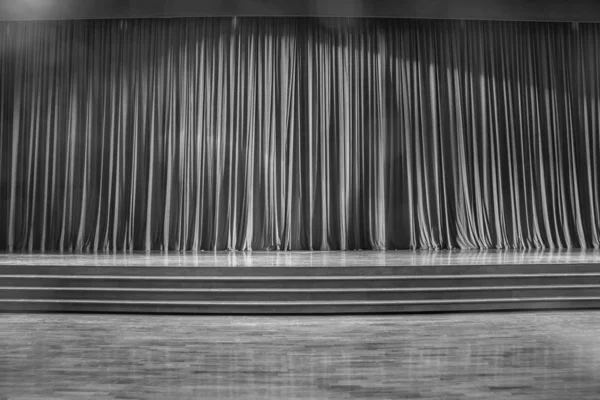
500	10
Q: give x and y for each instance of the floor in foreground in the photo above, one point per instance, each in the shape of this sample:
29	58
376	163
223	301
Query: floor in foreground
547	355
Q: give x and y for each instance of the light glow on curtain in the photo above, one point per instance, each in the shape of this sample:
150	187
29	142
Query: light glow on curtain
257	133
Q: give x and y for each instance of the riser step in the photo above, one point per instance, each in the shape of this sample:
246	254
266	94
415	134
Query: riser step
310	282
418	270
297	295
296	308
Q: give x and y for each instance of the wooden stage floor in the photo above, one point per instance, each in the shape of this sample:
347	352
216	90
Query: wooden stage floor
528	355
334	282
307	258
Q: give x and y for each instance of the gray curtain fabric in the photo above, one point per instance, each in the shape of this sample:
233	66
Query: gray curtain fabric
190	134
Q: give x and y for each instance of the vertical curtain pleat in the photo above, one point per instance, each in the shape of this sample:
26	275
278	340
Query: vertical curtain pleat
282	133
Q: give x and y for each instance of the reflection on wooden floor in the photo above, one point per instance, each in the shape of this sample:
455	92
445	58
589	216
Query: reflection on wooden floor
307	258
552	355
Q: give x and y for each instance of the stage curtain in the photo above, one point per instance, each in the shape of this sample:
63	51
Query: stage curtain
258	133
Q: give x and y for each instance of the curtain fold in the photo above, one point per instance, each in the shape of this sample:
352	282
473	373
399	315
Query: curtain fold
283	133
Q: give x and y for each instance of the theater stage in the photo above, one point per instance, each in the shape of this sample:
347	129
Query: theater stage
301	282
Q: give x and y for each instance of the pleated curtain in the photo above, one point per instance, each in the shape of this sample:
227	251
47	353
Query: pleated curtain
311	134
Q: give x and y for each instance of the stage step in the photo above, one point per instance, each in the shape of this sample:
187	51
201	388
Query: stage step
304	290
